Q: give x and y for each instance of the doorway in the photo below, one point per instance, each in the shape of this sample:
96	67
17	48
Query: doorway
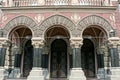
58	64
88	58
28	58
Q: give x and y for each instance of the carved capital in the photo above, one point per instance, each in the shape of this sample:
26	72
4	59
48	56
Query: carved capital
3	42
76	42
114	42
37	42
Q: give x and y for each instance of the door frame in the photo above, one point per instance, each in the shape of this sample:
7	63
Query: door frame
49	52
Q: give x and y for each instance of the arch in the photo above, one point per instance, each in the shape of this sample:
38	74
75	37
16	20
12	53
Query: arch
20	20
94	20
56	20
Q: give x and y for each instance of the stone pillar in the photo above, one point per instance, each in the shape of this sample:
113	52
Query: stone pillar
76	72
37	72
104	63
2	58
16	60
113	49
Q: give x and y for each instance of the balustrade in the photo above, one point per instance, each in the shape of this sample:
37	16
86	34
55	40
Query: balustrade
18	3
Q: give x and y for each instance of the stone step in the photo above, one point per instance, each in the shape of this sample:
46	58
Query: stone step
57	79
91	79
16	79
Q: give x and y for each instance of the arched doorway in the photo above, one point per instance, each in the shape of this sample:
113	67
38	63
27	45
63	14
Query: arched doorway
93	38
28	58
58	68
57	44
20	37
88	58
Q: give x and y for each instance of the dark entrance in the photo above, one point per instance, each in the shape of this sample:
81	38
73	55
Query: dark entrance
58	68
88	58
28	58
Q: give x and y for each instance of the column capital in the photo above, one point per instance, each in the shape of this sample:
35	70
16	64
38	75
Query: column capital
76	42
38	42
114	42
3	42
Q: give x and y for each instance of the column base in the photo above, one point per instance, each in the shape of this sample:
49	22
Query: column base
15	73
37	74
3	73
77	74
115	73
103	74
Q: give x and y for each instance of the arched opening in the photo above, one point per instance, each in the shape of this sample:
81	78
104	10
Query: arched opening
57	42
20	38
92	59
88	58
28	58
58	69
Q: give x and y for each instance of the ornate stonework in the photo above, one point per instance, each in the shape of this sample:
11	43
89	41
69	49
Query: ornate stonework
75	17
114	42
56	20
37	42
76	42
39	18
20	20
94	20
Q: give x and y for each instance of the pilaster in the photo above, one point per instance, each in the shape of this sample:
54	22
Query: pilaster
76	72
115	67
37	71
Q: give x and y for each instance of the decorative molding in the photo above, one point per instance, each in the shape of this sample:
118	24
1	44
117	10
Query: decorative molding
76	42
56	20
3	42
37	42
114	42
75	17
20	20
39	18
94	20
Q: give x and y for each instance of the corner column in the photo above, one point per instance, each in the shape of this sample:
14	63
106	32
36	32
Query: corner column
76	72
114	54
37	71
2	58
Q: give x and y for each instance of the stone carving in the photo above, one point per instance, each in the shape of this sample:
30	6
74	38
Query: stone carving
94	20
37	43
113	42
56	20
39	18
75	17
76	42
20	20
4	18
112	18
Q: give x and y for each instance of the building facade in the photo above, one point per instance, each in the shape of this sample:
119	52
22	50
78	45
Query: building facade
60	39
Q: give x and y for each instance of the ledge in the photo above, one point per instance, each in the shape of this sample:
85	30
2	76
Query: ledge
59	8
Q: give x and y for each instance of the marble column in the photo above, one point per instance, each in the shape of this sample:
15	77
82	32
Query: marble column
3	45
114	55
37	71
76	72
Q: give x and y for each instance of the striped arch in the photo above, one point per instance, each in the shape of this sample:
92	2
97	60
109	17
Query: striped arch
94	20
56	20
20	20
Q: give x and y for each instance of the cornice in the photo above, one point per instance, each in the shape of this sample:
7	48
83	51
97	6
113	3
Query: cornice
59	8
